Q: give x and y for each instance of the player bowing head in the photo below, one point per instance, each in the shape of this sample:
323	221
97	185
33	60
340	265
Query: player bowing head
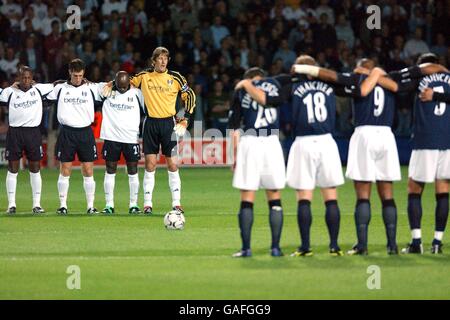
76	72
314	158
258	153
75	100
122	81
120	131
377	161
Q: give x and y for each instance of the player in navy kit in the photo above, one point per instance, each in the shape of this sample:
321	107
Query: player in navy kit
430	159
259	161
24	101
314	157
373	153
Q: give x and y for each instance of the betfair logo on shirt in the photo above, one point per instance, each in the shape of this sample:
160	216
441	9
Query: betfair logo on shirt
158	88
121	106
25	104
75	101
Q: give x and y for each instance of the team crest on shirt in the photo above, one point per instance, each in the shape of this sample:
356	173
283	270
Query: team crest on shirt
84	93
130	99
32	93
170	82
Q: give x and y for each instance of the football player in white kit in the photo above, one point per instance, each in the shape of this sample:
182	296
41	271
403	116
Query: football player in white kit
24	101
120	131
75	100
259	156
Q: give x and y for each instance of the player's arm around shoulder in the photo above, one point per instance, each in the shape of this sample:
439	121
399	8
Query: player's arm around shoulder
137	79
371	81
54	93
256	93
5	94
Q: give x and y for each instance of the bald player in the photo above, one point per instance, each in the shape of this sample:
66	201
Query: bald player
120	131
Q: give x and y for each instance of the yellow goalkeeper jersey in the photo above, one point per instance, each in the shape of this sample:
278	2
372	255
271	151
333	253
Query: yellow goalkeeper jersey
160	91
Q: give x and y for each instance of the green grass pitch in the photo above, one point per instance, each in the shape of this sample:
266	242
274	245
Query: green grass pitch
134	257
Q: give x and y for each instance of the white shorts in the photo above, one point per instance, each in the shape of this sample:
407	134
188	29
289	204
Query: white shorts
429	165
259	164
314	161
373	155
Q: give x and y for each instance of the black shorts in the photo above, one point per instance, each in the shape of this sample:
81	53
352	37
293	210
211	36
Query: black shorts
112	150
76	140
20	139
159	132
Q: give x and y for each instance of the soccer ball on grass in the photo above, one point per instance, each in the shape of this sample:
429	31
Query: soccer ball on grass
174	220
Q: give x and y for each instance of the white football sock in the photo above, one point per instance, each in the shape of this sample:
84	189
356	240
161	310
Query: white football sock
63	189
175	187
11	184
36	188
416	233
89	189
133	182
108	184
149	185
438	235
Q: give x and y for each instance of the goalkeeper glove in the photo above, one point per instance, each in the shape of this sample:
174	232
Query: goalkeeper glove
180	127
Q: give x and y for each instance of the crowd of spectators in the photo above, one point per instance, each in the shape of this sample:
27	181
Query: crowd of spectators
213	42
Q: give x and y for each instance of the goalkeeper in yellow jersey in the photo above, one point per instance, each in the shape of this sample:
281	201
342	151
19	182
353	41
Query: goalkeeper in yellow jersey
160	88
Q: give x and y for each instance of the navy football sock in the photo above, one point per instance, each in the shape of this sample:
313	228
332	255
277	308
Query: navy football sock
390	221
415	213
441	215
245	223
362	219
332	218
276	221
304	219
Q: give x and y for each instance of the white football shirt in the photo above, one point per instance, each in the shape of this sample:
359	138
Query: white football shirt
122	116
75	104
25	107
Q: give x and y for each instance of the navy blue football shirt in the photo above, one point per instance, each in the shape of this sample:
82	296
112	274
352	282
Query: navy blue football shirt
254	116
431	126
375	109
313	108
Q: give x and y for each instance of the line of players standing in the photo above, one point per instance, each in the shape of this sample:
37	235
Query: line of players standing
314	159
122	107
